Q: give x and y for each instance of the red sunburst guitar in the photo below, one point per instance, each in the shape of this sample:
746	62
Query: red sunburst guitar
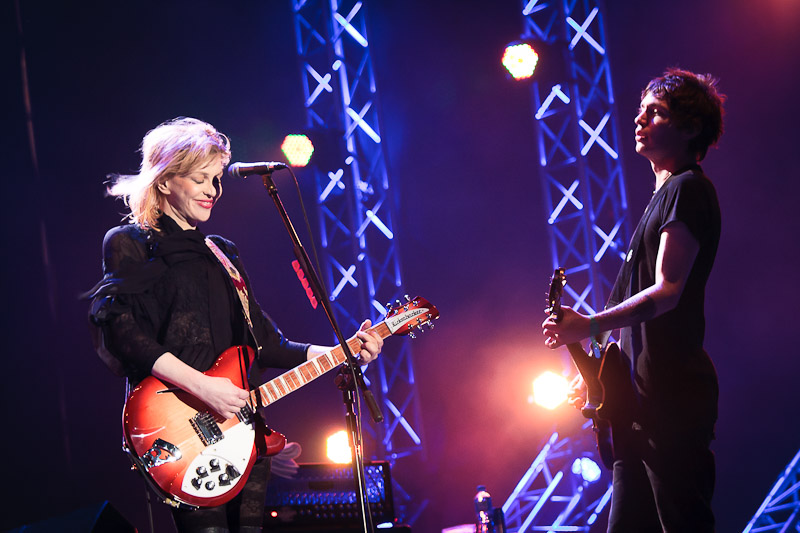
609	392
190	455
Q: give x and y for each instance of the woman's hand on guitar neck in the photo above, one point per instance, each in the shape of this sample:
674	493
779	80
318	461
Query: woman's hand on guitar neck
371	345
571	327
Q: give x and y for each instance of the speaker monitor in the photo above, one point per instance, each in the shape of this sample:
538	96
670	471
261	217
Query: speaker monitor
325	494
97	518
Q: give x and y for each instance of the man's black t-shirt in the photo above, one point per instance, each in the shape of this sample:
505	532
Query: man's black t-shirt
673	376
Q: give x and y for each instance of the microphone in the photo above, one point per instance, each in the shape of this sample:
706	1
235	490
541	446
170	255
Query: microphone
242	170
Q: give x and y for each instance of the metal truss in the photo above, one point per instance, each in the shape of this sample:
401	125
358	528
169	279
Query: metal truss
576	129
356	210
584	196
553	495
781	508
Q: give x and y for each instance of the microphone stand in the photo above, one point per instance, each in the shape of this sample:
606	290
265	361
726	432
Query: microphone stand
351	374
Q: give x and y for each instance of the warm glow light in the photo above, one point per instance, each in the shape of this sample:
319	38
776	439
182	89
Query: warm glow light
550	390
297	149
339	448
520	60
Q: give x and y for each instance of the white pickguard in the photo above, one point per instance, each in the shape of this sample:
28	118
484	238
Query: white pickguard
233	450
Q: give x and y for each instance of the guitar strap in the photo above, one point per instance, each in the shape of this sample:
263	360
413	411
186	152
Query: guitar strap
620	290
236	278
241	290
622	286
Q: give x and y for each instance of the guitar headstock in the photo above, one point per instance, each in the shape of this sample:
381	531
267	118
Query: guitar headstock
557	283
406	317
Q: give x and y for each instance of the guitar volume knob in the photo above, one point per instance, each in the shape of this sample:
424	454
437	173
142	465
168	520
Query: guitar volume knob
201	471
232	472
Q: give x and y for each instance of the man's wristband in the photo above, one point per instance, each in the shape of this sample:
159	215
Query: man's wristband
594	327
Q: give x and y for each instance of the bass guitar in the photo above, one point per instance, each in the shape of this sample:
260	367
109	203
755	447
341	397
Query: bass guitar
190	455
606	372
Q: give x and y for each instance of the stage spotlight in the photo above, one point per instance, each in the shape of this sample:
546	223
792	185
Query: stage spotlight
588	469
339	448
550	390
520	59
298	149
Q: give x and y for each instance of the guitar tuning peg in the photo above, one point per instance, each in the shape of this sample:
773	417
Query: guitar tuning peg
406	297
430	324
397	302
412	335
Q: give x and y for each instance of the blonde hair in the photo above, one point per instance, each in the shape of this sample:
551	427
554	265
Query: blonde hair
173	148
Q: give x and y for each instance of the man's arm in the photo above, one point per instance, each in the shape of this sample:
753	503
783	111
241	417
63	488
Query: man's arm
676	254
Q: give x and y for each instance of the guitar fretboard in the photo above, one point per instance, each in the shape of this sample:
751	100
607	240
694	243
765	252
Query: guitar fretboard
290	381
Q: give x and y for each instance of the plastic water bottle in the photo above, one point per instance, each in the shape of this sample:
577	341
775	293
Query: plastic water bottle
483	511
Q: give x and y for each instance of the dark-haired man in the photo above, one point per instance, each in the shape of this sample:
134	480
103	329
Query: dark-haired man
664	469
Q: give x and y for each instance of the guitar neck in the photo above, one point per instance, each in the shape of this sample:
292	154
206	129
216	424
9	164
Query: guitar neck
301	375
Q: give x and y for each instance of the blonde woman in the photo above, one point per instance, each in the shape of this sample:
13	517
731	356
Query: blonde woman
169	303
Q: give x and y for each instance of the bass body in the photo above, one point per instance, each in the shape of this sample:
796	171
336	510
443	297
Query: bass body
608	394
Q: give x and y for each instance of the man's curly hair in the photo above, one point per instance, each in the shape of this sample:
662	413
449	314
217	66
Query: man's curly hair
695	104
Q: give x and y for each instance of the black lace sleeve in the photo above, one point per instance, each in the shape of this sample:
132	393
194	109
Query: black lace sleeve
123	310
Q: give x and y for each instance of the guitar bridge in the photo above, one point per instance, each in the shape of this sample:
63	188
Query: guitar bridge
206	428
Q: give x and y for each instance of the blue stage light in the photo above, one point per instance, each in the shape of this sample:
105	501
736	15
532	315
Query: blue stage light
588	469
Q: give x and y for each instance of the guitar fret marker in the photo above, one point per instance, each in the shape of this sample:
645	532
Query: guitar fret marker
273	394
326	365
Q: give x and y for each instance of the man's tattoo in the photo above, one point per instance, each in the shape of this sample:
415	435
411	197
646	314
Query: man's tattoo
644	310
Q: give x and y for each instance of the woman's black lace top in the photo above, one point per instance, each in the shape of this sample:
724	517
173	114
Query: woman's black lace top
166	292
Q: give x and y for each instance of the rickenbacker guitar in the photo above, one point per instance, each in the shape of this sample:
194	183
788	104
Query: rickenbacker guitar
191	456
609	392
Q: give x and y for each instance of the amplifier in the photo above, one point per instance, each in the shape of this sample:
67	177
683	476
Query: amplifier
325	494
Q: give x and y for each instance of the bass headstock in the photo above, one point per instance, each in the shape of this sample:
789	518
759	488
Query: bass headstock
557	283
404	318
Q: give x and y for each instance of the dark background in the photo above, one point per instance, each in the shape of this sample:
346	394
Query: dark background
472	226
